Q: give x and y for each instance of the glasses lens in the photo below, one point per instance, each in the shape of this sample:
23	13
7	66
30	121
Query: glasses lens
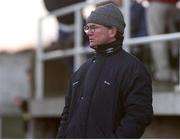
86	28
90	28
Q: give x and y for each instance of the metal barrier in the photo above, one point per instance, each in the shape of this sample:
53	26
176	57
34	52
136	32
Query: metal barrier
78	49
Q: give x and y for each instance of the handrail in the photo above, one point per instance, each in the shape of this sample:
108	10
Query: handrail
66	53
153	38
70	9
131	41
66	10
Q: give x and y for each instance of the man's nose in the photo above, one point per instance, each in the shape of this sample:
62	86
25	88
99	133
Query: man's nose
89	32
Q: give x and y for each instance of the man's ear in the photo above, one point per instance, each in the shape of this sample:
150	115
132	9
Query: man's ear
113	32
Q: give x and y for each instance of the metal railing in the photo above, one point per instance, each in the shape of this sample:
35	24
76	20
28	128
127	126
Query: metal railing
78	49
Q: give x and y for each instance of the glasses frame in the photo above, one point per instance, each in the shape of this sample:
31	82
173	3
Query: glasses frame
92	28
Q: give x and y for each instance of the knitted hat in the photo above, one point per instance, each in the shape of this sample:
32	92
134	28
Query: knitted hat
108	15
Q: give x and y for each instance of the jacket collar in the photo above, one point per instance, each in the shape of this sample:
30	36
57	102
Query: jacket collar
108	49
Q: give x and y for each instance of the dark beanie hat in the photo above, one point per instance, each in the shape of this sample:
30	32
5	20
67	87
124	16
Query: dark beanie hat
108	15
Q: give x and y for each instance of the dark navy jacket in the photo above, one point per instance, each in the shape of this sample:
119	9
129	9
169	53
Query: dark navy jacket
110	96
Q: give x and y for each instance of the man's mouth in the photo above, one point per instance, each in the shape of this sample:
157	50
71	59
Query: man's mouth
91	40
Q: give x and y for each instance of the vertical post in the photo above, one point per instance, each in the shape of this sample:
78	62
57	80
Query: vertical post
31	129
177	87
1	127
126	11
179	70
78	39
39	64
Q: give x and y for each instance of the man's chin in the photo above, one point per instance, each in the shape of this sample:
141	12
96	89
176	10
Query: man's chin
93	46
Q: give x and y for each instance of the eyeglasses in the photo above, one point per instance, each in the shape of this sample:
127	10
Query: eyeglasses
91	28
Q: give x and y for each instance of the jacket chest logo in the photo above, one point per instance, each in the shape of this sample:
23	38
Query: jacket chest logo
107	83
75	83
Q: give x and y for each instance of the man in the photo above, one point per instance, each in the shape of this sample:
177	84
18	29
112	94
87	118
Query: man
110	96
160	17
66	26
66	22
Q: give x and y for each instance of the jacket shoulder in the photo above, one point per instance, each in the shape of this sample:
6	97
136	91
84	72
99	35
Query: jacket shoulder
131	63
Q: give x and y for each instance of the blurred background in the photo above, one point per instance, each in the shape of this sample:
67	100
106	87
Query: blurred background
42	42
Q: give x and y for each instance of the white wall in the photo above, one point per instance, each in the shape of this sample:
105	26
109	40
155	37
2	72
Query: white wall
13	77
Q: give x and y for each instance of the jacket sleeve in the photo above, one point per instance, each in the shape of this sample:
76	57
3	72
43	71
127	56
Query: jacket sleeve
65	114
137	104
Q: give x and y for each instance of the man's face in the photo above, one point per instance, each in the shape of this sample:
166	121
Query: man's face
99	34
